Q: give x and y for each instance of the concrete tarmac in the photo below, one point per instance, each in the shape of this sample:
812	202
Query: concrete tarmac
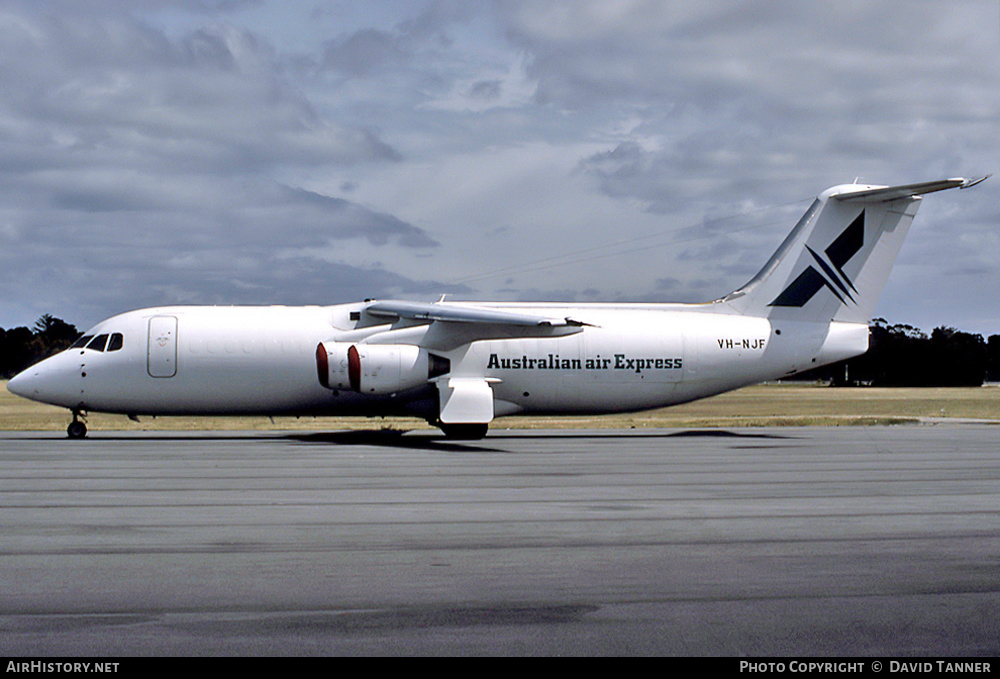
861	541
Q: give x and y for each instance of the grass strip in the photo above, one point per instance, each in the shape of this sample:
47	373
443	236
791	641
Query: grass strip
767	405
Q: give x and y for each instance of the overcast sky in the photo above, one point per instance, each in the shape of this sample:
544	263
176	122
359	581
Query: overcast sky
256	152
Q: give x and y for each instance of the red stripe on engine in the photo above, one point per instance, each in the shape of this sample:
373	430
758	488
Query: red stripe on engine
354	368
322	365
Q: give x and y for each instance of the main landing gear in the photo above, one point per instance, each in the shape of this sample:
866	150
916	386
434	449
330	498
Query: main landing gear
77	429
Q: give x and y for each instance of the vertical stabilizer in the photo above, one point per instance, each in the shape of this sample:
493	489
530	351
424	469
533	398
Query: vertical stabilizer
836	261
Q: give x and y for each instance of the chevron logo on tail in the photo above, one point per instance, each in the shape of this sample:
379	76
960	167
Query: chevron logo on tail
831	270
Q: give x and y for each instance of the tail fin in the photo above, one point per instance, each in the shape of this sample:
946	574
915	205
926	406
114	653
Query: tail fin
835	262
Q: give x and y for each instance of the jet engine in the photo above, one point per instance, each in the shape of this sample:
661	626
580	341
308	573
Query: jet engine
376	368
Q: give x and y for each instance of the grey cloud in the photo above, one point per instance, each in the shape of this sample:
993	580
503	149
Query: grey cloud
488	90
348	220
272	244
370	50
761	90
699	169
364	52
113	86
234	216
137	168
102	7
712	52
549	295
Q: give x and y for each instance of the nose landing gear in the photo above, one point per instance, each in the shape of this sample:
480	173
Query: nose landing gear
77	429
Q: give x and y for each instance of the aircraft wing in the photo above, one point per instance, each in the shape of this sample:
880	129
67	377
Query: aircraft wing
455	313
455	324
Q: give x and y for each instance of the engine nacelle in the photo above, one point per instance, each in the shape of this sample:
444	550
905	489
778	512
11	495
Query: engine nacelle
375	368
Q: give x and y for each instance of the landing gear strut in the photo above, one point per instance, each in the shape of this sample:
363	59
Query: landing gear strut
77	429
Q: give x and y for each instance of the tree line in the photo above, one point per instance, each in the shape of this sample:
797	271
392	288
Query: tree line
898	355
22	347
901	355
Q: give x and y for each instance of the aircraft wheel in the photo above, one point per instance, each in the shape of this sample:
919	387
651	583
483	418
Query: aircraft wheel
465	432
76	430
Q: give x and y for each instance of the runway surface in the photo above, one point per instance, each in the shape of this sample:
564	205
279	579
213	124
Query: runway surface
881	541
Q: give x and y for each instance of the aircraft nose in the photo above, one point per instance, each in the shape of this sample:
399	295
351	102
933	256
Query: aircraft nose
20	384
47	382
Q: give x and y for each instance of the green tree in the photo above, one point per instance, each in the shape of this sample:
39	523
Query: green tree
22	347
16	350
993	358
55	333
901	355
959	358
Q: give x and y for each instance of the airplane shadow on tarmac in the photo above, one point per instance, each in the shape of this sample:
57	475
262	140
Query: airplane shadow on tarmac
395	437
422	440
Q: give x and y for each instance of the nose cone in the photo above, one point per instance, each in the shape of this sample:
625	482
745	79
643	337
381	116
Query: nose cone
20	384
50	381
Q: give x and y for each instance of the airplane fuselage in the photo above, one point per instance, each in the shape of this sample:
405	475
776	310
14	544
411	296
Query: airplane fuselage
262	361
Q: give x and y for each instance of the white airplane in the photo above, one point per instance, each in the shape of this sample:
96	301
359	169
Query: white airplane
459	365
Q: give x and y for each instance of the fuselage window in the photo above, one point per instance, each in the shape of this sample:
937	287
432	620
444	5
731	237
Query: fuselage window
116	342
97	344
82	342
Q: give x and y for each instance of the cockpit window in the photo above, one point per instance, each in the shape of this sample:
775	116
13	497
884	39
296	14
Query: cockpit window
97	344
100	342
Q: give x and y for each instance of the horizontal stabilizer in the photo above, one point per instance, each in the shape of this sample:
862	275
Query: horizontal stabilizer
888	193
